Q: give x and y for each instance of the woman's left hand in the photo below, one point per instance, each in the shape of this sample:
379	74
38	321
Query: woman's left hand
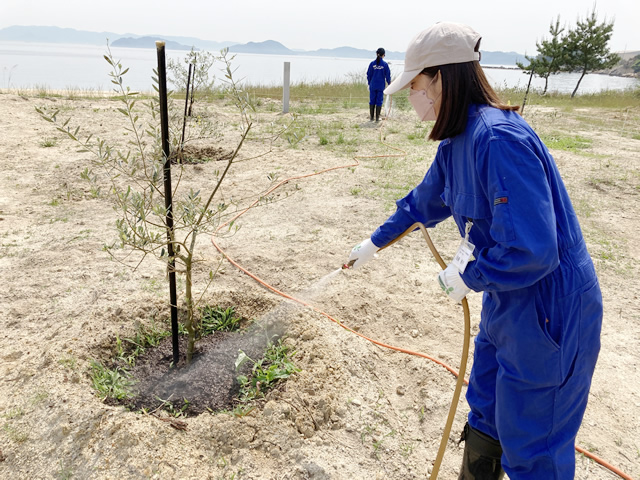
452	284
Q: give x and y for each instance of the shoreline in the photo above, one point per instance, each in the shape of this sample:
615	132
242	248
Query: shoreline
599	72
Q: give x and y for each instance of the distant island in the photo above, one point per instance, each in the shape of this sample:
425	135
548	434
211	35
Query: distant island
39	34
42	34
148	42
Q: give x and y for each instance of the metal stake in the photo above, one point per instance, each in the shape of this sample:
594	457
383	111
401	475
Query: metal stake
186	105
164	124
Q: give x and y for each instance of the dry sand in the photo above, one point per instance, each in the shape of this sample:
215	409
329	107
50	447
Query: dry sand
355	410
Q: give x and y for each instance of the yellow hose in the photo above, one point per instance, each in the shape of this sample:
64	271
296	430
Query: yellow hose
463	358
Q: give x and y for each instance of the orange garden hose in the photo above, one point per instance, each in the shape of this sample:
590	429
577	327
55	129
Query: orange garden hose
463	362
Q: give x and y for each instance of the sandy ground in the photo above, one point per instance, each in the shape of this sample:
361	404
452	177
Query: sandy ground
355	410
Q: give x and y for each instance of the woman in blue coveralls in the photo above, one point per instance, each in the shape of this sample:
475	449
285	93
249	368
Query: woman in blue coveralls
539	334
378	76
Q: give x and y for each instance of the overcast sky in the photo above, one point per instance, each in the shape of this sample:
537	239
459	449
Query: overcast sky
505	25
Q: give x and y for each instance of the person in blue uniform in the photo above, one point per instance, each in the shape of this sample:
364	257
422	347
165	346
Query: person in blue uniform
378	77
539	333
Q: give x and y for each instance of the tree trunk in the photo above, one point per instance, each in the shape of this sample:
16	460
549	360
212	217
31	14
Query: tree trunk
546	84
579	80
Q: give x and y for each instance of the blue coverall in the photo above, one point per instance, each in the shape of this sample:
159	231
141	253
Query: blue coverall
539	334
376	76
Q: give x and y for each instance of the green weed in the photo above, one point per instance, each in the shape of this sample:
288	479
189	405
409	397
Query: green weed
406	449
43	91
13	413
174	411
65	472
68	362
48	142
109	383
154	285
128	349
15	434
276	365
566	142
584	208
217	319
609	250
420	132
242	410
40	396
377	444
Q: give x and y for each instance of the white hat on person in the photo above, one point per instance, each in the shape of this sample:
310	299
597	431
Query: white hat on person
440	44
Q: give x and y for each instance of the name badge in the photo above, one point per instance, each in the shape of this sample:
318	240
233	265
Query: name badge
465	251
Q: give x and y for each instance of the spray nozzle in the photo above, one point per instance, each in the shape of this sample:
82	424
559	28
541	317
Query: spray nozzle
348	265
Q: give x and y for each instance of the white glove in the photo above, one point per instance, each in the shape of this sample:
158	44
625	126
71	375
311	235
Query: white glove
362	253
452	284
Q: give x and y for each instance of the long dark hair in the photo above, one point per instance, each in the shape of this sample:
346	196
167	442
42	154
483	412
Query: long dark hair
462	85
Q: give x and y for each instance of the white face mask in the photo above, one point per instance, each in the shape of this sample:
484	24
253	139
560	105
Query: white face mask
422	104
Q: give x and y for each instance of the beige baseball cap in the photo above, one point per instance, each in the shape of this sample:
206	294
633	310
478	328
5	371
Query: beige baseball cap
440	44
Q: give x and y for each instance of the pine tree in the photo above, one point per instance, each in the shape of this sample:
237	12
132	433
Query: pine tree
549	59
587	49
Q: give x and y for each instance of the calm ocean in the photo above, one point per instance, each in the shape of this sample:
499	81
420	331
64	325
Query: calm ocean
57	66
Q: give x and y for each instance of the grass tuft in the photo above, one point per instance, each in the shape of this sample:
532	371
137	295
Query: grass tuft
217	319
570	143
276	365
108	383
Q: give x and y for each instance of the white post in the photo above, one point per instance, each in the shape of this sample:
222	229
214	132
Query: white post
285	88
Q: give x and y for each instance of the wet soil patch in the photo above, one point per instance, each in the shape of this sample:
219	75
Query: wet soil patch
209	383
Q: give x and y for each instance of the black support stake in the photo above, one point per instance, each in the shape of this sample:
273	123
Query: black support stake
194	63
164	124
186	105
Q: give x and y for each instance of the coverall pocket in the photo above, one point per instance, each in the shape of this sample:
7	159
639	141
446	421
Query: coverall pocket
466	205
550	324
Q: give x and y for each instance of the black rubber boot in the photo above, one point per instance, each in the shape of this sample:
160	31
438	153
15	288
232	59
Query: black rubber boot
378	108
371	107
481	458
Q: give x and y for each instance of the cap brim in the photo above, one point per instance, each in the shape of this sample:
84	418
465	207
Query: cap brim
402	82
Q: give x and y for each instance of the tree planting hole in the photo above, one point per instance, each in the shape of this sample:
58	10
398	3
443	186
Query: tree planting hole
210	382
204	153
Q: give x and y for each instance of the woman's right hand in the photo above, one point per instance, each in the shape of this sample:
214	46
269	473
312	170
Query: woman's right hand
362	253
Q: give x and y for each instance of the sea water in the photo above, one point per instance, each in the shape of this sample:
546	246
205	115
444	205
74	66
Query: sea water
62	66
